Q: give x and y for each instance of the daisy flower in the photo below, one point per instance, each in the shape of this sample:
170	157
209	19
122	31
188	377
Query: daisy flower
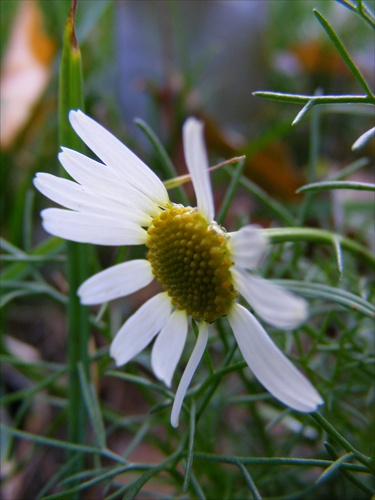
202	269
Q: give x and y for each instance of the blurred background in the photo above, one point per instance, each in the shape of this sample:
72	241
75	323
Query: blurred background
163	60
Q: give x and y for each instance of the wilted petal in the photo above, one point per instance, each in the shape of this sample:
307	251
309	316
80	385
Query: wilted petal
276	306
141	328
88	228
197	163
115	154
247	246
193	362
116	281
270	366
169	345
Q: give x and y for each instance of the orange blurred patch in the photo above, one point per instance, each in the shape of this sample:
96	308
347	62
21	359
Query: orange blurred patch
314	56
25	72
271	167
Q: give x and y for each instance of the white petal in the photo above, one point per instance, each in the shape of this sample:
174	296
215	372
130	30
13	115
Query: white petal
141	328
75	197
88	228
193	362
105	182
197	163
116	281
247	245
115	154
169	345
276	306
270	366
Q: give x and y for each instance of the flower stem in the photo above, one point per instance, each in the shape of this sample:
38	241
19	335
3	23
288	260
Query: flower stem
339	438
282	235
71	97
313	157
230	192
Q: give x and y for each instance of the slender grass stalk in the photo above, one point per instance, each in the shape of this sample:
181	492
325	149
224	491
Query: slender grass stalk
167	164
190	456
71	97
272	204
313	157
230	192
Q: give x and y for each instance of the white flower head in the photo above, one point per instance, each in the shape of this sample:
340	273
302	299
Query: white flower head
202	269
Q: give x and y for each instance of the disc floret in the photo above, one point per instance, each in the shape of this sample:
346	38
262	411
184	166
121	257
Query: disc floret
190	259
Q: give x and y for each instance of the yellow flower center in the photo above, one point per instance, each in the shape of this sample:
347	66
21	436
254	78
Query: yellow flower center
191	260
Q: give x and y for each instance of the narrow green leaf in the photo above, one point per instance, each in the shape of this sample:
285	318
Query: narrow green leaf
108	474
56	443
334	467
298	462
136	486
141	381
326	185
93	407
49	248
24	288
340	439
343	52
358	482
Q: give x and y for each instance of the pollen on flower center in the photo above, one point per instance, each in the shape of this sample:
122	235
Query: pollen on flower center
191	260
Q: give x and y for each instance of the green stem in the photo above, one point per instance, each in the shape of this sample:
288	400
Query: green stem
230	192
71	97
313	157
282	235
350	476
265	198
167	164
339	438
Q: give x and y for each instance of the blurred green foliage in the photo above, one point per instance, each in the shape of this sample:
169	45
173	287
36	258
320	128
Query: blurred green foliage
243	444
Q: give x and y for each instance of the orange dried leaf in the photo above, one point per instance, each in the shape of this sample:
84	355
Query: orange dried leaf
25	72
